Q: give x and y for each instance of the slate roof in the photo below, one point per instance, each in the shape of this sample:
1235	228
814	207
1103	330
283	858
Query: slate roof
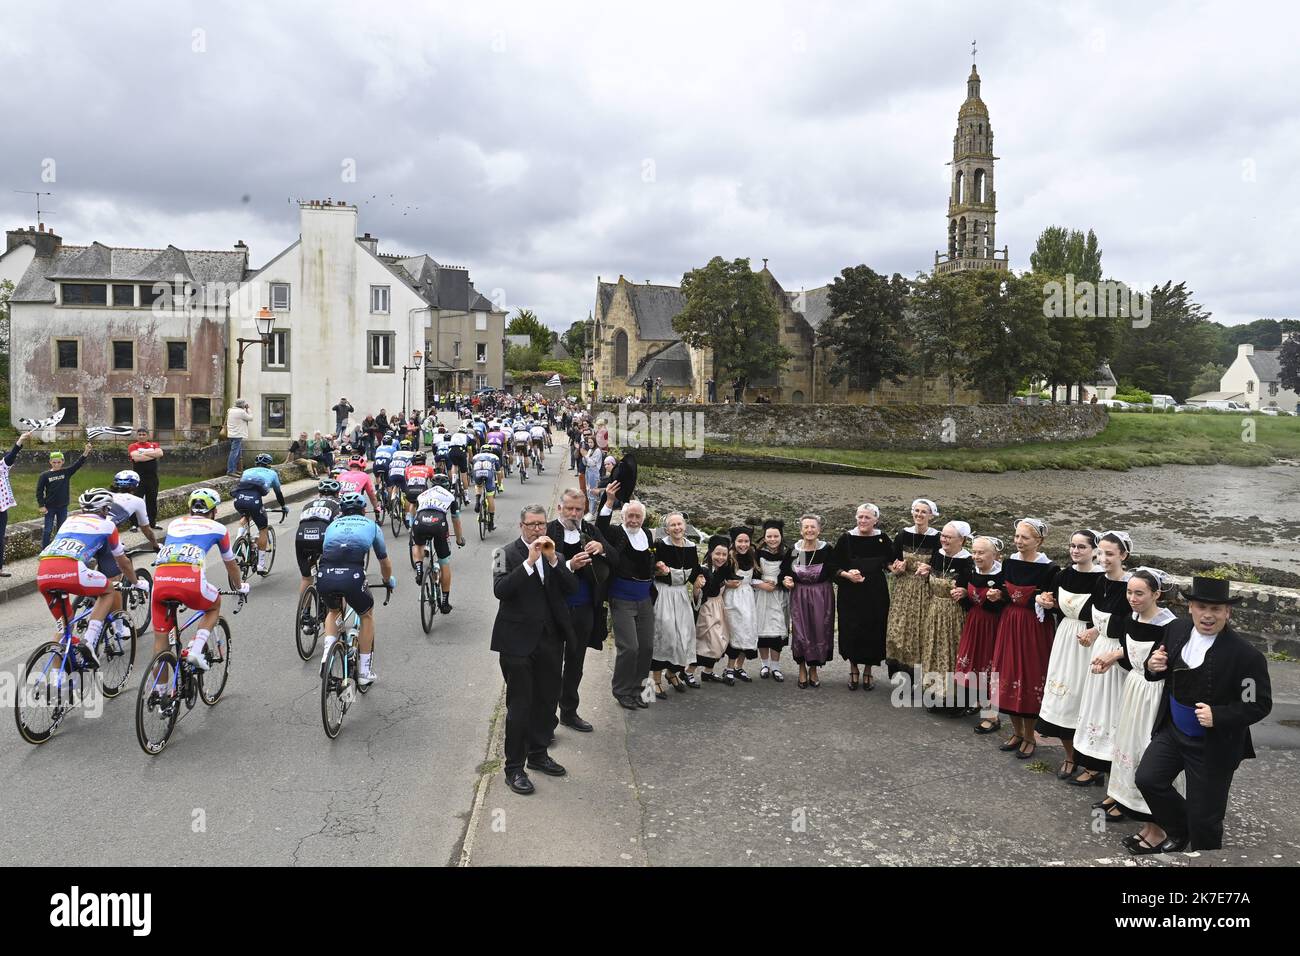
816	305
653	305
443	287
673	365
98	262
1104	376
1267	364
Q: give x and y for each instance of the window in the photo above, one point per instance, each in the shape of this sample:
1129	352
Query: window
379	299
480	321
123	411
78	293
71	410
123	355
164	415
67	353
124	295
620	354
149	295
178	356
275	353
275	414
481	381
480	352
455	351
279	297
381	352
1250	385
200	412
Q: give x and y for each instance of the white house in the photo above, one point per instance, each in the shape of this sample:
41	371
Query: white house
346	325
1254	373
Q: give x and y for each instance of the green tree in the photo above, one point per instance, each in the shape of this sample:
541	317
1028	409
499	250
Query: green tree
1167	355
1207	379
575	339
943	311
520	359
868	334
527	323
1064	251
1007	343
730	310
1262	333
1289	357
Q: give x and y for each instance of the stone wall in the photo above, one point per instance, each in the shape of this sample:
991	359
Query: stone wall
203	459
883	427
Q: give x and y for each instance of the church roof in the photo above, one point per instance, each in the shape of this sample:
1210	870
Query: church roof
816	305
673	365
654	307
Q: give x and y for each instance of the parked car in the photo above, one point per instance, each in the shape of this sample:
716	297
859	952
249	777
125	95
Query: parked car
1274	411
1114	403
1163	401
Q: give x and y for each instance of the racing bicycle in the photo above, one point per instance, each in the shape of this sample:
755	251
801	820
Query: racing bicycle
338	683
246	546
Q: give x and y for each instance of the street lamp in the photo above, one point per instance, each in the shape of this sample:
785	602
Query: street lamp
264	320
418	356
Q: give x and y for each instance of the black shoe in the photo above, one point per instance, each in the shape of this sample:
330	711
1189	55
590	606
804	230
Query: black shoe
742	676
729	677
710	678
547	766
627	702
642	704
1170	845
519	783
690	680
445	606
577	723
992	728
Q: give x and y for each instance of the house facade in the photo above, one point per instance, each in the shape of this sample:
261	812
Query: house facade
1253	377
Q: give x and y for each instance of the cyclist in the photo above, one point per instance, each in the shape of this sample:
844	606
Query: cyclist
128	506
418	475
342	574
480	429
397	473
315	517
495	442
252	485
432	512
458	457
383	457
356	479
63	566
521	441
485	467
538	435
180	577
441	450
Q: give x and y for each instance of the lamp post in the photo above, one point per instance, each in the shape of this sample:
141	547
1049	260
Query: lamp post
264	321
418	356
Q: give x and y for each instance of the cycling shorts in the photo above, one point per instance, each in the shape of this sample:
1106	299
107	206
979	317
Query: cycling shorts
71	577
431	525
489	480
337	583
184	583
308	544
249	504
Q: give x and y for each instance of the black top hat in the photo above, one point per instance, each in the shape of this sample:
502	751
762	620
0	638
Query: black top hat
718	540
1211	591
737	531
776	523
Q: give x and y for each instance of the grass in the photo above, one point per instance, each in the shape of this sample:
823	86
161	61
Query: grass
1130	440
24	486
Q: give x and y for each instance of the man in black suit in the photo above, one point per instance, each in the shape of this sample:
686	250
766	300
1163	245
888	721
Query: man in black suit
588	554
1216	686
530	633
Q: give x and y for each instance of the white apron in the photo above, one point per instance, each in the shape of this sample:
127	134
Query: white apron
771	608
674	621
739	605
1094	731
1069	666
1137	715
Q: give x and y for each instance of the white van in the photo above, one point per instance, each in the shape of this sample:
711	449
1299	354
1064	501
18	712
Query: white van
1162	401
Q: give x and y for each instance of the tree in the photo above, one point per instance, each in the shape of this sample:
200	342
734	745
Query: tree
730	309
1006	342
1062	251
943	311
1167	355
1289	357
526	323
1207	379
868	334
519	358
575	339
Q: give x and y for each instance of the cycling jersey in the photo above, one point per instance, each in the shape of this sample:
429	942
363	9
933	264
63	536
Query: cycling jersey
179	575
397	469
349	537
313	521
521	437
496	437
460	438
439	499
260	479
357	481
319	512
84	537
537	432
485	464
126	507
417	479
383	456
441	446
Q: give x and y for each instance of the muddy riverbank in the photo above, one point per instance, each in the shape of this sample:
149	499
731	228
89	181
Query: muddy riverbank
1182	517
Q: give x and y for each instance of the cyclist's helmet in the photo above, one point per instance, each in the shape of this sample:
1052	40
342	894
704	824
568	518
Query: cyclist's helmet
126	480
352	503
337	470
388	438
357	464
418	458
95	499
406	444
328	486
203	501
263	460
440	481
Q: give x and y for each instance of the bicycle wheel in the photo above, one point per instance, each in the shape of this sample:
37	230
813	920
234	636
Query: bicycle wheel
332	707
427	607
212	682
395	518
410	553
42	701
243	557
307	625
482	519
270	555
136	602
156	709
116	655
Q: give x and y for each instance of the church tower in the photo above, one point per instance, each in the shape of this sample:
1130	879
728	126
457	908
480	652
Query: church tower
972	204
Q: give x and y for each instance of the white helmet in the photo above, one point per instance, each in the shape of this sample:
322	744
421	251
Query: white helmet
95	499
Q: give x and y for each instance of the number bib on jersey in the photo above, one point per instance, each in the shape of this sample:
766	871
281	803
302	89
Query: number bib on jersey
65	548
180	553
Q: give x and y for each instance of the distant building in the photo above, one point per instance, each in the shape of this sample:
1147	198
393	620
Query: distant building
1254	376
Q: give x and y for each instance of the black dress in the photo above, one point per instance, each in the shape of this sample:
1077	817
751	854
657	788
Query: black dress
863	609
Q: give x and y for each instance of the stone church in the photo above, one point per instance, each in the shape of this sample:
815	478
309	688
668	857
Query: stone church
633	335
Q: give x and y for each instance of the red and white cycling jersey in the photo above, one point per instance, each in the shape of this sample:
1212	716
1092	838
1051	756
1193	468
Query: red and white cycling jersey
357	481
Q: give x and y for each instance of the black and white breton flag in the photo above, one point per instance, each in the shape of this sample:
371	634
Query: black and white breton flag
111	431
553	381
35	426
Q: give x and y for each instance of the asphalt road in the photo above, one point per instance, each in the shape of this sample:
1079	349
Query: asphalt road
254	780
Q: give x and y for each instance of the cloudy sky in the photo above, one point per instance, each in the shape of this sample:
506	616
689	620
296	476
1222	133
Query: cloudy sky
541	145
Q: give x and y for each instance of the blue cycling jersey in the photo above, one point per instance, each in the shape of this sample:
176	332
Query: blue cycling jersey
383	455
349	537
262	479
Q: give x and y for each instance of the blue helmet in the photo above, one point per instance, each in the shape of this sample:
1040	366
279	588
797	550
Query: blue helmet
126	480
352	503
263	460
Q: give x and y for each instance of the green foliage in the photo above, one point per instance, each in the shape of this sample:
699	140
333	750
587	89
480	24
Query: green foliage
568	368
1133	394
868	336
575	339
1231	572
519	358
730	310
1062	251
1006	341
1170	353
526	323
1289	360
1207	379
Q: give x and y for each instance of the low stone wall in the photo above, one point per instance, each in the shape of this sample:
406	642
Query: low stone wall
867	427
23	538
204	459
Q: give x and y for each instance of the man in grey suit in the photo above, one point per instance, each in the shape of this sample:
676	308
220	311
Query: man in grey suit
530	632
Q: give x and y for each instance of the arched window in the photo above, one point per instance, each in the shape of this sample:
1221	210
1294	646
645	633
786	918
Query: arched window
620	354
961	236
797	397
957	189
952	237
979	186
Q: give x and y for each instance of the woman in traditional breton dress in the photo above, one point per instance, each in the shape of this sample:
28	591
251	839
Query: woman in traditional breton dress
1024	639
913	547
738	603
862	554
1144	631
1094	735
1071	661
983	603
712	637
772	599
946	577
812	600
676	562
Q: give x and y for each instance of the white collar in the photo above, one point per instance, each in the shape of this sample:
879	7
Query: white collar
963	553
996	569
1041	559
858	534
928	531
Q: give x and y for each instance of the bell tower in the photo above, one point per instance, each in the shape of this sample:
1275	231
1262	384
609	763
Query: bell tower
972	202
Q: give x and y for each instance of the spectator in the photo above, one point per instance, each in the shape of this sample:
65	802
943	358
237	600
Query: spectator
322	450
144	456
368	440
7	499
712	387
237	419
382	424
298	454
341	412
52	491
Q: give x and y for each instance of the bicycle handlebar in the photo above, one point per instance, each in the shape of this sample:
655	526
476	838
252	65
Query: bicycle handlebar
284	513
243	598
382	584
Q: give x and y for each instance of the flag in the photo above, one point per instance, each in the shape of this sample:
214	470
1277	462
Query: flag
112	431
50	422
553	381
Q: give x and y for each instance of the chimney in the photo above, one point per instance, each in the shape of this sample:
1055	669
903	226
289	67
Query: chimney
241	247
45	242
371	243
1245	349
